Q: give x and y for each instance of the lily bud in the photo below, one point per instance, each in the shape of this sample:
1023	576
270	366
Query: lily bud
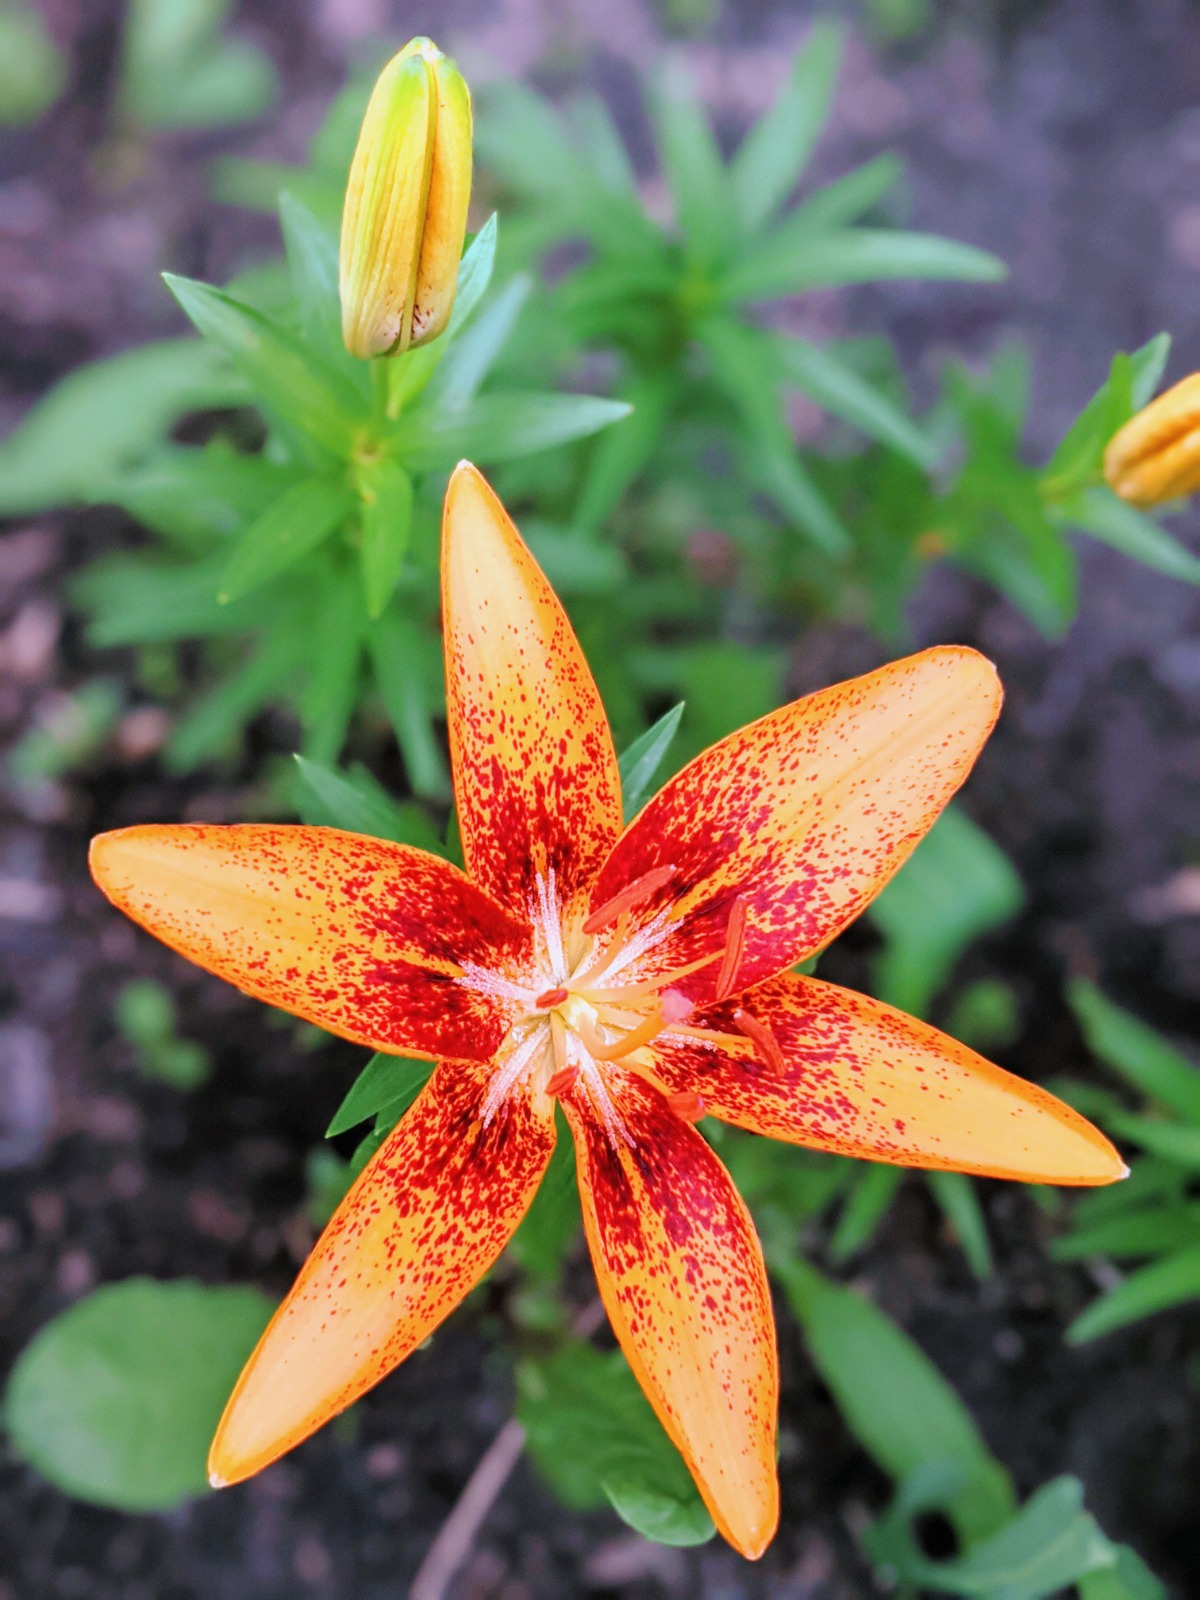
406	205
1156	455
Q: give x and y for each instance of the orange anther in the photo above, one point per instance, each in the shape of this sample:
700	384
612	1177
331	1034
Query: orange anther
758	1033
550	999
562	1081
639	889
687	1104
735	945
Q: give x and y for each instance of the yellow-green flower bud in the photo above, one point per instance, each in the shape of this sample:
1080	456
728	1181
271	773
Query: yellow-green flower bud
1156	455
406	205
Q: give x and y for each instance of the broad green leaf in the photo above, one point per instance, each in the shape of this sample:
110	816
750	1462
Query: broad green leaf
386	493
956	886
959	1202
695	173
178	72
1107	517
1169	1282
1132	1048
1129	1579
835	386
893	1398
856	255
289	379
773	155
843	201
385	1088
116	1400
75	442
200	497
302	518
1050	1543
215	721
357	802
621	452
874	1188
1142	1233
471	356
137	600
593	1436
641	763
312	258
330	689
500	426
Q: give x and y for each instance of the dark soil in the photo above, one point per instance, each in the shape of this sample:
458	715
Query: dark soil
1067	141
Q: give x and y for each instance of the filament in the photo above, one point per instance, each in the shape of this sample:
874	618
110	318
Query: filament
640	889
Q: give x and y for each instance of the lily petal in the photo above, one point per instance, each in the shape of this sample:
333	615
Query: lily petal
535	773
682	1279
423	1223
361	936
863	1079
803	816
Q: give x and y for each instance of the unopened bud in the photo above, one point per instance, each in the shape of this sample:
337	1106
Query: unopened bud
1156	455
406	205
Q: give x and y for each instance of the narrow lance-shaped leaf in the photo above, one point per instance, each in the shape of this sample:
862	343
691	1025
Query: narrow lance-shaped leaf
1106	517
842	201
642	762
385	1083
857	255
500	427
1141	1055
1165	1283
358	803
775	152
386	494
300	520
312	260
695	173
291	381
472	355
838	389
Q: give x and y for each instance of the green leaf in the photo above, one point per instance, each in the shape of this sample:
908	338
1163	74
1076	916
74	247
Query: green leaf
956	886
1129	1579
775	152
1107	517
312	258
289	379
780	265
1050	1543
1130	383
74	444
845	200
302	518
116	1400
1134	1050
500	426
136	600
1169	1282
198	497
474	275
407	660
470	357
893	1398
357	802
623	451
838	389
386	493
875	1187
593	1436
641	763
1154	1231
551	1225
33	70
216	721
385	1088
959	1202
694	170
334	635
179	73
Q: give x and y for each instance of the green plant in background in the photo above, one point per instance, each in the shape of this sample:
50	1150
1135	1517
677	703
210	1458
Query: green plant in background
144	1013
33	71
178	70
1154	1217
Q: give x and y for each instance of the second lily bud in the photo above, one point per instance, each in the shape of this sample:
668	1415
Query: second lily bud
1156	455
405	215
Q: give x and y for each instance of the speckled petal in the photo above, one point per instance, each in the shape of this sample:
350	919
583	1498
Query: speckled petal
682	1279
361	936
423	1223
804	815
535	774
863	1079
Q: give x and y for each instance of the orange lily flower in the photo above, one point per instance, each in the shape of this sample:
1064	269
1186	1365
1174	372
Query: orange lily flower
640	976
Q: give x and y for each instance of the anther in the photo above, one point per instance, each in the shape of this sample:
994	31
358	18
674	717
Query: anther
687	1105
551	998
562	1081
735	945
758	1033
638	890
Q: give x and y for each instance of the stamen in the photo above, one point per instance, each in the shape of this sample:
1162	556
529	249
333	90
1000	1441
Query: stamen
640	889
551	998
652	986
735	945
687	1105
758	1032
562	1081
